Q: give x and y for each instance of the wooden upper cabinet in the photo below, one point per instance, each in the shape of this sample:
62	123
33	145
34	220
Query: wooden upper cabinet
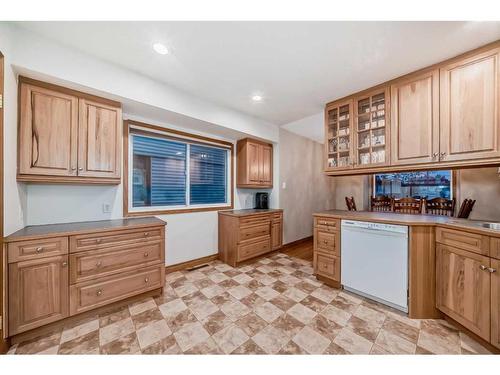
38	293
254	164
67	136
372	129
495	303
469	107
100	139
48	132
339	138
463	288
415	119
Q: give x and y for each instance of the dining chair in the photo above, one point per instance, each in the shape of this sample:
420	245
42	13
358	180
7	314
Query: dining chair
440	206
351	204
407	206
466	208
381	203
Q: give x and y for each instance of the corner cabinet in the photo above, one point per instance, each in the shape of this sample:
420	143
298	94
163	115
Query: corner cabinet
443	116
254	164
66	136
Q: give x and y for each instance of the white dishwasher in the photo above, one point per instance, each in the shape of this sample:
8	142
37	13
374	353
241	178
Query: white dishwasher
374	261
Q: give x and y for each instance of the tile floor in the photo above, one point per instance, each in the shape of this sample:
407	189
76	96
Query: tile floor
273	306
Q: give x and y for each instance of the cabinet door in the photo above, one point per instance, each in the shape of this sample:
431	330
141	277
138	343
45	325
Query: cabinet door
463	288
48	132
415	119
372	129
265	163
99	140
495	302
469	108
38	293
276	235
254	165
338	134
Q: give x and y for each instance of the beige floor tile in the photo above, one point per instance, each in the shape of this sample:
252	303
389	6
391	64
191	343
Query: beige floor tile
167	345
218	277
325	294
268	312
267	293
399	328
352	343
302	313
242	278
239	292
127	344
466	342
369	315
142	306
251	324
249	347
79	330
39	344
234	310
311	341
438	344
336	315
113	316
152	333
367	329
172	308
215	322
292	348
81	345
325	327
190	335
203	308
115	331
295	294
394	344
212	291
270	339
230	338
146	317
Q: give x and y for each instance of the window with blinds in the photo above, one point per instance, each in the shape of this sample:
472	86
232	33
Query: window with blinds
170	173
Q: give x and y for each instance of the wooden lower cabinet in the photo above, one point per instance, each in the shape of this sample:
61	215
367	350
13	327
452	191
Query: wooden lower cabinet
495	303
38	292
326	257
463	288
246	234
78	269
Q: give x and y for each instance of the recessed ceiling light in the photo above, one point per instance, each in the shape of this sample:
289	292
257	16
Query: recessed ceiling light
160	48
257	98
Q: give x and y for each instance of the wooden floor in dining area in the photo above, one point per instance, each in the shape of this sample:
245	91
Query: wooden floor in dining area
302	249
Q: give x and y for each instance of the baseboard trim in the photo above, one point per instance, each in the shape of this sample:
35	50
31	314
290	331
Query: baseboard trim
191	263
4	345
295	243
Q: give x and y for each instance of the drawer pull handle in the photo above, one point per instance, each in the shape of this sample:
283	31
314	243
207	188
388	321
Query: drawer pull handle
98	264
491	270
98	240
99	292
146	254
146	234
39	249
64	264
325	242
483	267
146	280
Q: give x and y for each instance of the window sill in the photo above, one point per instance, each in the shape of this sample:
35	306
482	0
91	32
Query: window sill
176	211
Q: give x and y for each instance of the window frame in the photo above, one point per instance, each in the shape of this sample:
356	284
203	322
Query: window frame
131	127
453	182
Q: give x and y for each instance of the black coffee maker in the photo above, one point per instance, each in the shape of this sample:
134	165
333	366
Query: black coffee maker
262	200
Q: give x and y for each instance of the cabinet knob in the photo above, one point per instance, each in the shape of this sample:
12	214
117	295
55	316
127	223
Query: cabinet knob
442	155
146	254
146	234
491	270
39	249
483	267
98	240
434	155
64	264
80	169
99	292
98	264
325	242
73	168
146	280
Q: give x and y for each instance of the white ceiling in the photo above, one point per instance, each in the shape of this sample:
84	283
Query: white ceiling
296	66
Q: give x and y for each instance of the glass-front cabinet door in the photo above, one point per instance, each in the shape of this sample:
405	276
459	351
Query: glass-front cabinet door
338	128
371	124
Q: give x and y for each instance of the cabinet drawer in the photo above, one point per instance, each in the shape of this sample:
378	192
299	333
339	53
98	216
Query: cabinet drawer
90	295
327	266
103	240
276	217
255	220
495	247
88	265
34	249
467	241
248	233
326	224
326	242
250	250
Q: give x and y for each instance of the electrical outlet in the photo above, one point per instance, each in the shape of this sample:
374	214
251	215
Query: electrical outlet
106	208
283	185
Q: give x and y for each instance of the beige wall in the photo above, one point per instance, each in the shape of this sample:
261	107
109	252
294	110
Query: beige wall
307	190
483	185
